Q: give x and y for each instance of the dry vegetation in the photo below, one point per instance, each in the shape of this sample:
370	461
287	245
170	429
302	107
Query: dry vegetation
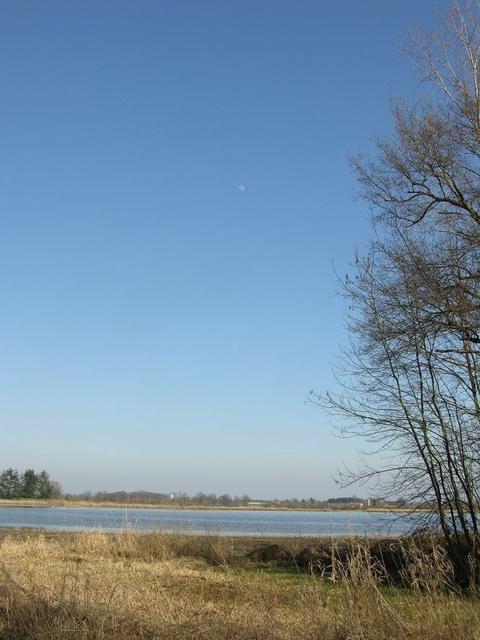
78	504
132	585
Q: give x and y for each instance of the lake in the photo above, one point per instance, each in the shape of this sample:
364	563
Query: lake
227	522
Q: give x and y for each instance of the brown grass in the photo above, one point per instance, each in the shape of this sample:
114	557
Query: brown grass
95	586
79	504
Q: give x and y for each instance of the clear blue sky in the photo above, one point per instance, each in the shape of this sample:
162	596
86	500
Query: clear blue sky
161	327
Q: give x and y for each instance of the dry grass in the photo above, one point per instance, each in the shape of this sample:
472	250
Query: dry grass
77	504
95	586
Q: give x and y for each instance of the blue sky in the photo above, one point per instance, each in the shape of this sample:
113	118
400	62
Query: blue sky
161	327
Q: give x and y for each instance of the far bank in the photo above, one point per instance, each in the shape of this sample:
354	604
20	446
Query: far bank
79	504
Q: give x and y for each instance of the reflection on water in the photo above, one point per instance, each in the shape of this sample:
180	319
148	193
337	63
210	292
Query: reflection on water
227	522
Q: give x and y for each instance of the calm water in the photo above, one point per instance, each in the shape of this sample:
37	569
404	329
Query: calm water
263	523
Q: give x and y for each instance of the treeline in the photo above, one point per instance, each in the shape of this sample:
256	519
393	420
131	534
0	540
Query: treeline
223	500
150	497
29	484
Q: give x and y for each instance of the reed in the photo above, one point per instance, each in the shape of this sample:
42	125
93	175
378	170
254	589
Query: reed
97	586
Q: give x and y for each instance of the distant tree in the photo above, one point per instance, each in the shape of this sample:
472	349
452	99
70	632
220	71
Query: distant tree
56	489
29	484
44	487
10	485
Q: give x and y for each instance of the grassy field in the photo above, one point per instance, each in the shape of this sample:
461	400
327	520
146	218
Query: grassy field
132	585
26	502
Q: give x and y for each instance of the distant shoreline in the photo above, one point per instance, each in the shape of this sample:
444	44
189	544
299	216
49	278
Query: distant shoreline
29	503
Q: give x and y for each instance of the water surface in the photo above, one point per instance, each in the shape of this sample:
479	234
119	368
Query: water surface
227	522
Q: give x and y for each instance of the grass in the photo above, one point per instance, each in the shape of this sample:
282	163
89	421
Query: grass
61	502
96	586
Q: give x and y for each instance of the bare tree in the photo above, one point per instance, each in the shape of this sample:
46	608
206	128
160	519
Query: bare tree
409	382
430	166
410	376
